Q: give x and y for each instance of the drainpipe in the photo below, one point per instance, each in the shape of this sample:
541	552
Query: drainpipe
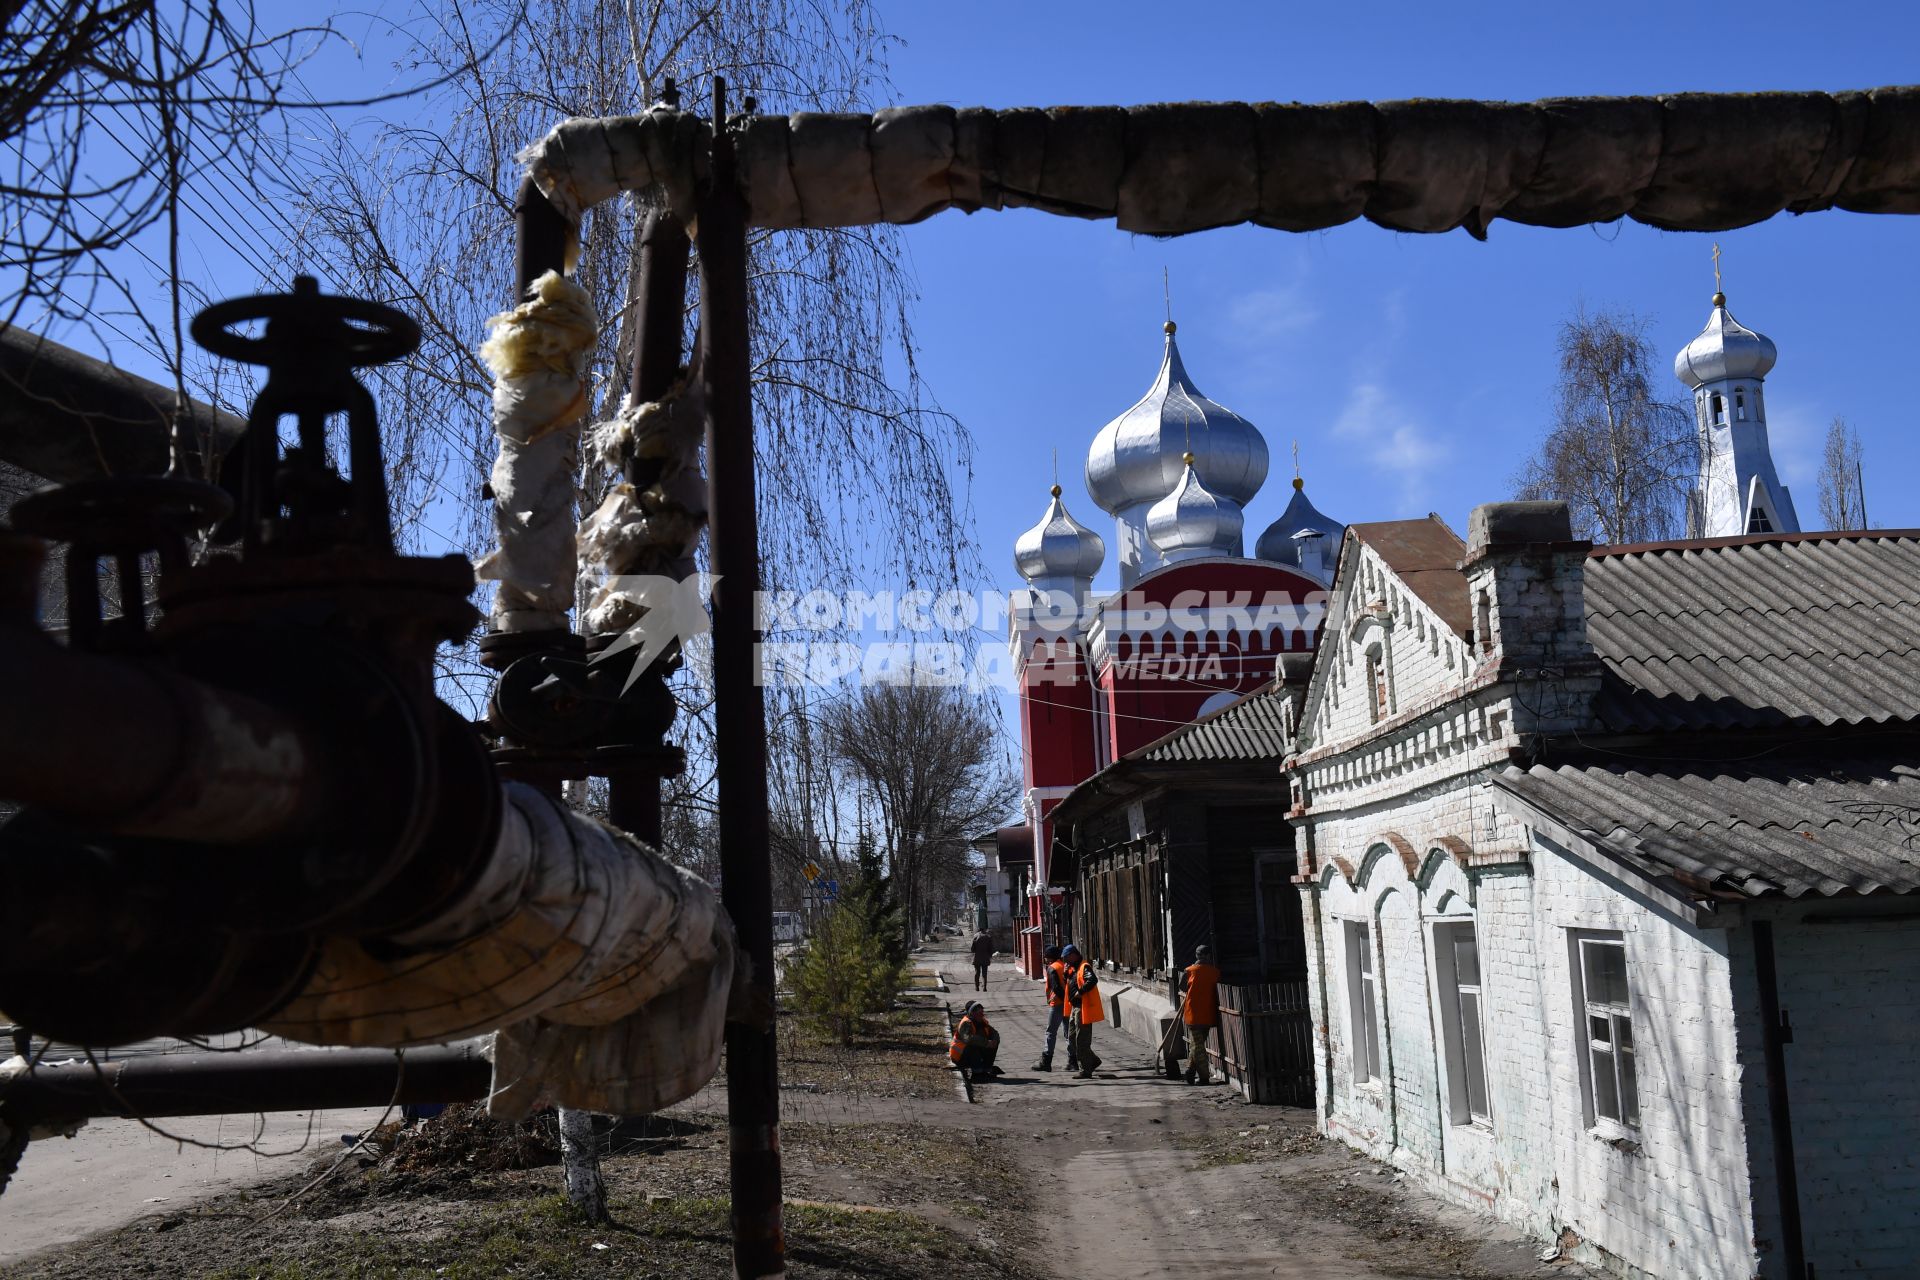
1775	1034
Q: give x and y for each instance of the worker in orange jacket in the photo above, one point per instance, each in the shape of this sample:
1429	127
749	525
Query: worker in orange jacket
975	1045
1058	1011
1200	982
1083	992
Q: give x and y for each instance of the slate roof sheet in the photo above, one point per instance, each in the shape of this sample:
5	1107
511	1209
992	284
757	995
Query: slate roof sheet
1758	633
1789	826
1249	729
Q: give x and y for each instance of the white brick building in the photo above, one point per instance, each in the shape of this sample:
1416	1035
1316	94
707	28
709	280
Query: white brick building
1578	827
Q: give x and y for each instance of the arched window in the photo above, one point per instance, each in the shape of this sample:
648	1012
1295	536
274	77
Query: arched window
1740	403
1719	408
1483	624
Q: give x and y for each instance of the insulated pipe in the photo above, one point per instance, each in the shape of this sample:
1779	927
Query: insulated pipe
129	747
1680	162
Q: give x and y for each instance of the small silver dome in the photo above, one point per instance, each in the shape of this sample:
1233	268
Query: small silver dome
1136	457
1194	521
1280	544
1725	349
1059	548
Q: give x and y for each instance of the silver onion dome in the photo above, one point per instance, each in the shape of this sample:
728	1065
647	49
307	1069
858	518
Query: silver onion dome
1193	520
1059	549
1136	457
1725	349
1281	543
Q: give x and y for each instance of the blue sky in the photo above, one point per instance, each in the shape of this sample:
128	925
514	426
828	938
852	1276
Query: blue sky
1415	371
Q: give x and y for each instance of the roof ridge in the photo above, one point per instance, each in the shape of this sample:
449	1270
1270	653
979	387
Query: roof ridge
1607	549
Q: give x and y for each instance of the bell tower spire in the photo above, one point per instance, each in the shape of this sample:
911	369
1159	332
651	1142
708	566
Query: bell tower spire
1738	491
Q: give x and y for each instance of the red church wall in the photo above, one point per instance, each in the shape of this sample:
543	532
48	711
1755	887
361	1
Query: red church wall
1243	614
1056	714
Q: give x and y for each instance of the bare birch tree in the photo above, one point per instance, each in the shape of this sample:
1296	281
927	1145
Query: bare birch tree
927	758
857	463
1843	499
1620	456
138	137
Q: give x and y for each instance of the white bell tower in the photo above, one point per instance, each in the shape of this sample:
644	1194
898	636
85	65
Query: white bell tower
1738	491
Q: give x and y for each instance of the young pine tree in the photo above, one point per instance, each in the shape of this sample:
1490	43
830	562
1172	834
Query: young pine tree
873	893
845	974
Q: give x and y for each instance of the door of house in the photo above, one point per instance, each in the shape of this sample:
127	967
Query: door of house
1283	941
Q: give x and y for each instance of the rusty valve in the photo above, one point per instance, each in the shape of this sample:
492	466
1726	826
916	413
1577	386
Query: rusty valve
123	520
300	655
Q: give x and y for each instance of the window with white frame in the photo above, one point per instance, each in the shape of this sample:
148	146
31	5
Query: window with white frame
1363	1005
1613	1091
1457	955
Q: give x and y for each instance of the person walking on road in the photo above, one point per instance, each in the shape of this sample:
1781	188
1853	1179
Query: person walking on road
1083	990
1057	1011
1200	982
975	1045
982	957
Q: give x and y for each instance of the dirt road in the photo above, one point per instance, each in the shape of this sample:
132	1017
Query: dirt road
891	1173
1141	1176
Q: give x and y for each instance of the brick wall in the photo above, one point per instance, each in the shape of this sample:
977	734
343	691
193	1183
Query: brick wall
1671	1199
1398	828
1853	1069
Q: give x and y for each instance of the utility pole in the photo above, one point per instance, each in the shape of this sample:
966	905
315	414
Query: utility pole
740	718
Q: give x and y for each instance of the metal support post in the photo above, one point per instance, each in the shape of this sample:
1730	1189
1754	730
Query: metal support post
753	1086
1775	1034
633	791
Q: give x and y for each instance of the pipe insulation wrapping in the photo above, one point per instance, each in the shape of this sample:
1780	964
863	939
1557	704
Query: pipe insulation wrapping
647	531
605	969
1682	162
538	354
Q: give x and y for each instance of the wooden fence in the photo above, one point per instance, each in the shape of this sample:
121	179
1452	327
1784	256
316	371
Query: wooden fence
1265	1045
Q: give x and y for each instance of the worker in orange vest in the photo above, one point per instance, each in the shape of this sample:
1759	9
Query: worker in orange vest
1058	1011
1083	993
975	1045
1201	1005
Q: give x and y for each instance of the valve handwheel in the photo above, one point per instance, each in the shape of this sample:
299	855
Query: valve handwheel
307	325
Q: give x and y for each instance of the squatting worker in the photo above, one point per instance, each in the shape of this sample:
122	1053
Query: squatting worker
975	1045
1083	990
1201	983
982	957
1058	1011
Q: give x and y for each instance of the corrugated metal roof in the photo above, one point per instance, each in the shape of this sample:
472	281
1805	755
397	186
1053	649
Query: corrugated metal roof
1821	826
1426	556
1249	729
1758	633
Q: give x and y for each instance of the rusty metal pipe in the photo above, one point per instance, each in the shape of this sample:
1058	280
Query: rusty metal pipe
212	1084
119	745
